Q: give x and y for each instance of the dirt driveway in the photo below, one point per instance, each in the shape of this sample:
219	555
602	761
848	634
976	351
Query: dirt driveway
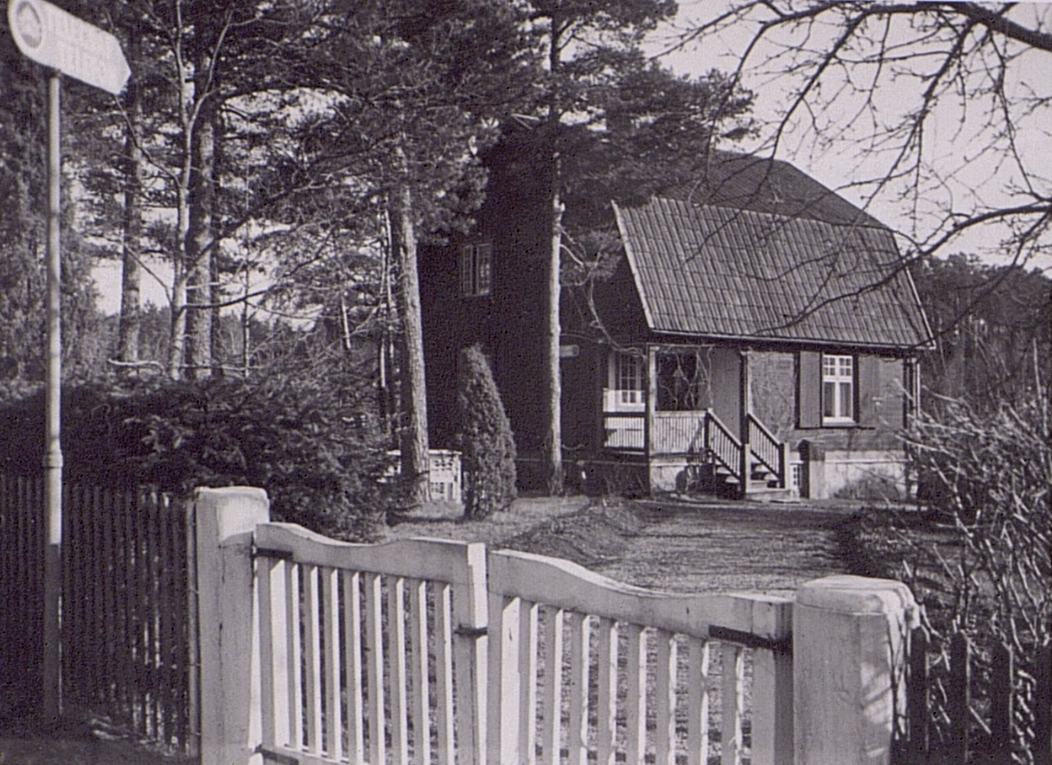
726	547
668	544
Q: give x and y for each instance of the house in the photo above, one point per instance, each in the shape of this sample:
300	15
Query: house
759	336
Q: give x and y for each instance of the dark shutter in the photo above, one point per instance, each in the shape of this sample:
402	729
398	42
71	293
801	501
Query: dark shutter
809	390
868	381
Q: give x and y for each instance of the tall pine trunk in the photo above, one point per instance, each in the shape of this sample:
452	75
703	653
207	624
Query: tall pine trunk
130	315
413	439
553	453
200	244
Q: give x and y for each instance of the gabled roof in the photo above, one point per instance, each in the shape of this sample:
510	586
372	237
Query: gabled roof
763	184
720	272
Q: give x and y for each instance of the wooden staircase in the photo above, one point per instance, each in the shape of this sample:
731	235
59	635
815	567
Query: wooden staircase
720	466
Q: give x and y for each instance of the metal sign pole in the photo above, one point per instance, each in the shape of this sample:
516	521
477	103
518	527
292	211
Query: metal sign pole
53	455
66	45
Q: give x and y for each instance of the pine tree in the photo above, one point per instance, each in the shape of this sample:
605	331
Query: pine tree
485	438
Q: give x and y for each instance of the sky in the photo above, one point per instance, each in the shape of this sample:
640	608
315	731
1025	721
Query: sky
837	156
841	154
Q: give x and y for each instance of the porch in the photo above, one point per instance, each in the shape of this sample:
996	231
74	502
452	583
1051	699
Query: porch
685	411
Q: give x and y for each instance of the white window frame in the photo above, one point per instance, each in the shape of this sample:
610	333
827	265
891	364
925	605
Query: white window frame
626	380
839	383
476	270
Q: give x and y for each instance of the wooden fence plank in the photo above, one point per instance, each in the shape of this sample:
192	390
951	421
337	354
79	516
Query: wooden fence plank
732	703
698	703
528	642
960	696
420	704
352	629
271	675
917	700
1002	680
551	738
665	699
1043	706
444	720
312	658
109	586
293	655
398	673
169	616
505	691
192	654
374	647
606	738
332	708
772	706
636	697
577	738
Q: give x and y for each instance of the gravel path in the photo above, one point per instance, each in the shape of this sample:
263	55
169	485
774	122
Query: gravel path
742	546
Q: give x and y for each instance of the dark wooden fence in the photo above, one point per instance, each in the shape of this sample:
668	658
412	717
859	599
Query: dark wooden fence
129	613
966	705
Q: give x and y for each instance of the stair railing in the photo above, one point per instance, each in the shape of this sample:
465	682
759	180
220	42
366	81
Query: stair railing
723	445
766	449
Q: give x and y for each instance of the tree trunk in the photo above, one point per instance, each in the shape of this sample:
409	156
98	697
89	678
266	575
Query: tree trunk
200	247
130	316
413	440
553	453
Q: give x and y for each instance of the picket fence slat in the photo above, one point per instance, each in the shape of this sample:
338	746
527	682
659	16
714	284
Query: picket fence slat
551	738
312	659
636	700
352	627
698	703
420	707
665	698
732	702
374	648
330	613
527	664
606	738
444	721
398	675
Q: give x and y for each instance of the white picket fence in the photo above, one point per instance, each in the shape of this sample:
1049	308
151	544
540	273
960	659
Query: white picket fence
442	652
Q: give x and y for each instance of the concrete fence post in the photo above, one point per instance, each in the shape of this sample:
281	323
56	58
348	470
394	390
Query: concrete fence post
226	519
850	638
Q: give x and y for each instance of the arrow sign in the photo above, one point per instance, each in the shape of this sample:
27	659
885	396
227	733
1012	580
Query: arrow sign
57	39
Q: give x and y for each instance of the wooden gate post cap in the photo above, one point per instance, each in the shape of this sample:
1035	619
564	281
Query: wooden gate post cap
859	595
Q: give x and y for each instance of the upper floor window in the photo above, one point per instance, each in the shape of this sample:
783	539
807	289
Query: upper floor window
838	388
476	277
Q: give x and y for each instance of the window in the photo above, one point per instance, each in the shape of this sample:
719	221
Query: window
629	382
475	270
626	391
681	381
838	388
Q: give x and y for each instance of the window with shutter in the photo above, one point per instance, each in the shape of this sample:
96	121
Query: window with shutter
838	389
476	270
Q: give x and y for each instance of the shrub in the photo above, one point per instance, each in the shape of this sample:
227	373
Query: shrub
977	554
307	439
484	438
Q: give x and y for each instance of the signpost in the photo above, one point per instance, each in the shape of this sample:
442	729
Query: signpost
60	41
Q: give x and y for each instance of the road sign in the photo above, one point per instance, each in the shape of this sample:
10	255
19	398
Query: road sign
52	37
